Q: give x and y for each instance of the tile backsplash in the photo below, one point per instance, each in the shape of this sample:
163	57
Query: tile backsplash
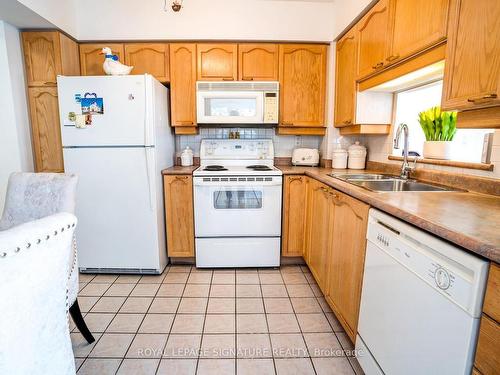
283	144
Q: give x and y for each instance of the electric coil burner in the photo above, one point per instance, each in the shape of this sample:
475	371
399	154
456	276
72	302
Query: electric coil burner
259	167
214	168
237	204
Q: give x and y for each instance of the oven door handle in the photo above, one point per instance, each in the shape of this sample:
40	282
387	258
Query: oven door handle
198	181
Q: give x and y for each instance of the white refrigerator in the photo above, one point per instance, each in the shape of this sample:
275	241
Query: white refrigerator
116	137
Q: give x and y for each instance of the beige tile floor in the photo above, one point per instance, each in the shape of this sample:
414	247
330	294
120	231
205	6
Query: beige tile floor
196	321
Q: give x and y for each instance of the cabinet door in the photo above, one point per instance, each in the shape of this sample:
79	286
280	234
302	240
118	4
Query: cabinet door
488	351
345	81
179	215
45	129
472	70
149	58
294	216
258	62
302	76
183	84
346	260
217	62
91	59
373	37
411	29
319	213
42	57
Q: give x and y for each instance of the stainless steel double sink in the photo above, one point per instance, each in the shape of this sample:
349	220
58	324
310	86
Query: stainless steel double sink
387	183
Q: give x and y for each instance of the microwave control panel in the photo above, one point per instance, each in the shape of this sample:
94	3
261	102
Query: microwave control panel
271	108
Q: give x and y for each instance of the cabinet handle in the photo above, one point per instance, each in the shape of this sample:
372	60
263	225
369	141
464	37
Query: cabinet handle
393	57
295	179
228	79
247	79
185	122
324	189
286	123
50	83
487	97
348	122
181	177
378	66
333	194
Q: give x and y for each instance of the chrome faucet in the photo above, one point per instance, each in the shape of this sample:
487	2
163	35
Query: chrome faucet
405	167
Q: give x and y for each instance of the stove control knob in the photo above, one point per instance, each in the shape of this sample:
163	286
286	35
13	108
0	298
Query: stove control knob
442	278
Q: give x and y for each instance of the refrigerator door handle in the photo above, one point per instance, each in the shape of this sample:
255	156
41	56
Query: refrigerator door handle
150	173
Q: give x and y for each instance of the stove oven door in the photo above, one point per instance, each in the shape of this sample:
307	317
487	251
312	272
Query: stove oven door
237	207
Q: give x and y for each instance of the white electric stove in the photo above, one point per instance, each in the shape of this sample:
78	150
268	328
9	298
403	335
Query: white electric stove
237	204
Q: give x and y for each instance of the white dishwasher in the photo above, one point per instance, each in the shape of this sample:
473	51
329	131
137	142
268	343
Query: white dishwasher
420	304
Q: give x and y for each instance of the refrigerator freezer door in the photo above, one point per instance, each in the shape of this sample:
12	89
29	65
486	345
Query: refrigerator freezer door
118	228
122	121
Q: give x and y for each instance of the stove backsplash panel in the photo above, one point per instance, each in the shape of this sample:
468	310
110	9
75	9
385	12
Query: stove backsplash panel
283	144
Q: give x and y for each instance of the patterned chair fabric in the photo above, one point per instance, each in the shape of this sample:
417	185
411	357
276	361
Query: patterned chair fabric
31	196
34	324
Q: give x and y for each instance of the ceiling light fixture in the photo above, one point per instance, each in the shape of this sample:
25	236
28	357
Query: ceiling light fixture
176	5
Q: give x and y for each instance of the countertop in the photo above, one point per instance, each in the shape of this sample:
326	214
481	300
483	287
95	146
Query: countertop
177	169
469	220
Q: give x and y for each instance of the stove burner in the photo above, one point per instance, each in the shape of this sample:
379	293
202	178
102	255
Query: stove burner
259	167
214	168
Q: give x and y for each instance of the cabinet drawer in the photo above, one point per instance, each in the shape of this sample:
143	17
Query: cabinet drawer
492	297
488	351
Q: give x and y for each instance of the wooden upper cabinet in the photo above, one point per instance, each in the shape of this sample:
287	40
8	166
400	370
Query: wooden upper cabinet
472	70
179	215
346	259
48	54
319	214
46	134
415	25
294	216
217	61
149	58
345	81
91	59
183	84
373	39
302	76
258	62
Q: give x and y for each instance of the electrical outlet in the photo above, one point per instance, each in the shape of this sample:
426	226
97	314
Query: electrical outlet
298	140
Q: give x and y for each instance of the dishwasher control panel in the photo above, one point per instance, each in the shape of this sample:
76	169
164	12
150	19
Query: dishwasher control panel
449	270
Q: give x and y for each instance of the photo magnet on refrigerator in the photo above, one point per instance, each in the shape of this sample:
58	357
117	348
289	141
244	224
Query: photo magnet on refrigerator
91	104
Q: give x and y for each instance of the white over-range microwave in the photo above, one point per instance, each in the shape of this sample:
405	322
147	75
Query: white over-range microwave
237	102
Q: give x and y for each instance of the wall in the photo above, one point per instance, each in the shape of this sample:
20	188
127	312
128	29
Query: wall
283	144
15	140
61	13
203	19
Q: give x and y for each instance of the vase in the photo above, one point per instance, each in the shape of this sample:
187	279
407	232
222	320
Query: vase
438	150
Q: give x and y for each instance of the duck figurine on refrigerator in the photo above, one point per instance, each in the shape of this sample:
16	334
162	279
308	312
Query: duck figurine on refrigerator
112	66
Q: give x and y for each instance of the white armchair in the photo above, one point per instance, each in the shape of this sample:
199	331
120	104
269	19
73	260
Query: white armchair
34	332
31	196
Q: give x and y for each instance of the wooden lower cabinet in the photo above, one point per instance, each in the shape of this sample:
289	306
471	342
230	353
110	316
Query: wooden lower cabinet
294	211
487	360
179	215
318	228
45	129
346	260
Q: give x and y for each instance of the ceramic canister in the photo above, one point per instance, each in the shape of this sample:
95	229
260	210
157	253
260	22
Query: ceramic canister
357	156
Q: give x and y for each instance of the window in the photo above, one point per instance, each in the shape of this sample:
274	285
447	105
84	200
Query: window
468	143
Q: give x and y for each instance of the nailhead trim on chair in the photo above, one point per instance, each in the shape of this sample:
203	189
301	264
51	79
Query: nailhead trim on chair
4	254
